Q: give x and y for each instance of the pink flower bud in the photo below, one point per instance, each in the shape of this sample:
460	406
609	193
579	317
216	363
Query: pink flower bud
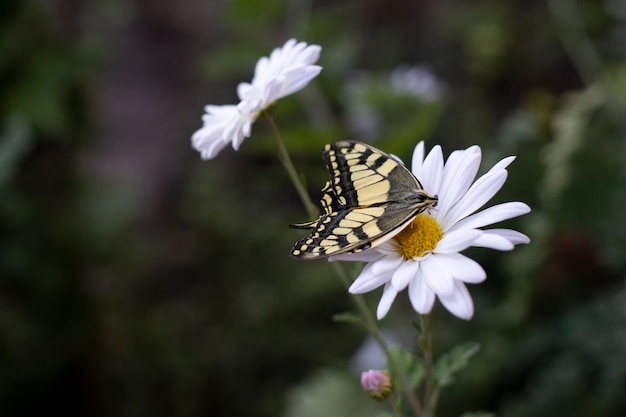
378	384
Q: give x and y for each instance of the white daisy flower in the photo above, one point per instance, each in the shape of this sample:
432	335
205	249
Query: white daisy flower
419	81
285	71
425	256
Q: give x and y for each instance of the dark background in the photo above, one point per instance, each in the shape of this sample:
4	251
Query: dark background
138	280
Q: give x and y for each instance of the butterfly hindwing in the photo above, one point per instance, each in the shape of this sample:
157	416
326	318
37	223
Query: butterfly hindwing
369	195
349	231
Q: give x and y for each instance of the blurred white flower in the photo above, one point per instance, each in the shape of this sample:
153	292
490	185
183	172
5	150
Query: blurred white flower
368	98
419	81
370	355
287	70
425	256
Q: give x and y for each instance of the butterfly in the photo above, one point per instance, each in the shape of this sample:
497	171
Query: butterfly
369	196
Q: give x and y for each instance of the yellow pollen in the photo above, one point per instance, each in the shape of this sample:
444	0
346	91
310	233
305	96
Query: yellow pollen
419	237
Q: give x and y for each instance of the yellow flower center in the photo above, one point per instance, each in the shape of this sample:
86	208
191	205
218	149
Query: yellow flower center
419	237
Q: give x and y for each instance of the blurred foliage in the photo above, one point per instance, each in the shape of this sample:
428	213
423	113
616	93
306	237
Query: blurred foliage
140	281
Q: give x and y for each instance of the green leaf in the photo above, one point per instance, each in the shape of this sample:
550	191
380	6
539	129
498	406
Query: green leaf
454	361
408	365
417	326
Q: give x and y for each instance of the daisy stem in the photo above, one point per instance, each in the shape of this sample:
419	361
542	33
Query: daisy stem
395	405
372	327
431	394
284	157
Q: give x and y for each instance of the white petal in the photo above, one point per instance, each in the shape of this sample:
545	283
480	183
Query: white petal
208	133
272	91
463	268
311	54
459	302
212	137
504	163
365	256
479	193
244	90
512	236
492	215
262	71
457	241
492	241
387	248
389	294
437	276
482	190
386	264
405	272
222	111
421	296
418	160
299	80
458	174
237	132
367	280
246	129
209	150
432	171
238	139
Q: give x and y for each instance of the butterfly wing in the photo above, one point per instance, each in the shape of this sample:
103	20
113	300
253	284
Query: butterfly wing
362	175
350	231
329	204
370	195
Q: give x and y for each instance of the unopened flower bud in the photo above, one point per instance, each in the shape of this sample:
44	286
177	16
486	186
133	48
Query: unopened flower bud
378	384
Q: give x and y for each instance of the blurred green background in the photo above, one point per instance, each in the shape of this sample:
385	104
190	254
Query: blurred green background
138	280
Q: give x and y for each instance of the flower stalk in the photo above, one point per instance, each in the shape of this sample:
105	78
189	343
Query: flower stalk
284	157
425	343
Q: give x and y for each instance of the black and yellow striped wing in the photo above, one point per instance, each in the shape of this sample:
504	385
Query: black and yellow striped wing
370	195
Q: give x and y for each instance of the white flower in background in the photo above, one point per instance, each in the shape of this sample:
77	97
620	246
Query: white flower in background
419	81
285	71
425	256
366	97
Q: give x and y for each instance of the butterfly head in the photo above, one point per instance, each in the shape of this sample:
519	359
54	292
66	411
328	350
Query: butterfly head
424	201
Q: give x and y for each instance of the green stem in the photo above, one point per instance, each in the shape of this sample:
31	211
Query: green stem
431	393
395	405
291	170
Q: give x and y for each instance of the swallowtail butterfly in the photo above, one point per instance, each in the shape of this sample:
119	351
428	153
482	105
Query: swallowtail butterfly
370	194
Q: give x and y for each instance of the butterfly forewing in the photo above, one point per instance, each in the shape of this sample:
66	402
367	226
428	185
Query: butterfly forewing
369	195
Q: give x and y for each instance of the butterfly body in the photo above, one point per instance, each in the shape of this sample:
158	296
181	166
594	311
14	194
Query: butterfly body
370	195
